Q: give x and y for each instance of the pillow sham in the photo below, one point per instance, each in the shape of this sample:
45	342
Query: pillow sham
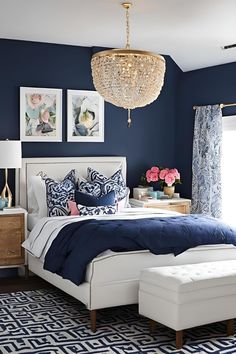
39	190
107	184
33	207
99	210
73	208
37	195
92	201
59	193
89	188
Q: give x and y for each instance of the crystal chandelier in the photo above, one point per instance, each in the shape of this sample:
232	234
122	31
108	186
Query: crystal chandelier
128	78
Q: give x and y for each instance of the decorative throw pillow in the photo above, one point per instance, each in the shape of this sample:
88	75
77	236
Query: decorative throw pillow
93	175
99	210
87	187
73	208
59	193
114	183
91	201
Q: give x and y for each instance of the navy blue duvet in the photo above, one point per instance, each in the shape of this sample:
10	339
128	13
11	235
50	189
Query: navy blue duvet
78	243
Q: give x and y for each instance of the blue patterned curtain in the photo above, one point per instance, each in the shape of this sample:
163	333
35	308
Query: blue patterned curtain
206	168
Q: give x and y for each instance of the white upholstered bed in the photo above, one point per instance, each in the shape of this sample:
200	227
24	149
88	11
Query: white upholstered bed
112	279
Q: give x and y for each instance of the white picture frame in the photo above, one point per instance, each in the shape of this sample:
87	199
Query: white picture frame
85	116
40	114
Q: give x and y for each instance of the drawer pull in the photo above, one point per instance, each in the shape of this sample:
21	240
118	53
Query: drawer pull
11	252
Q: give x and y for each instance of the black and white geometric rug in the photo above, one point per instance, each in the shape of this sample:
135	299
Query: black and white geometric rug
50	322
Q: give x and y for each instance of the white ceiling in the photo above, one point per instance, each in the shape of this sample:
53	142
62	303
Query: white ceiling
192	32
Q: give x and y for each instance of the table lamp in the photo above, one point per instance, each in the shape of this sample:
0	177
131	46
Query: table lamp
10	157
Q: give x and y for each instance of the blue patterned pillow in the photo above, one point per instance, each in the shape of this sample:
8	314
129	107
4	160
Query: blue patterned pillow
59	193
90	188
99	210
114	183
91	201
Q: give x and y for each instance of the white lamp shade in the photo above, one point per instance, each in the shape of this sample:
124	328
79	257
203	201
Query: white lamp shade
10	154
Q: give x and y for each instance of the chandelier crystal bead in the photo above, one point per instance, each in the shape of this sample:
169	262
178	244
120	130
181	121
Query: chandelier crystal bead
128	78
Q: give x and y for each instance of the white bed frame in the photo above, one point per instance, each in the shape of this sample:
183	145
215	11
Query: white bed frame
94	293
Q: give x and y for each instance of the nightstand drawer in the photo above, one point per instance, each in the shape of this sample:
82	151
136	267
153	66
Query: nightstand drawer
175	207
11	222
12	231
180	205
10	245
180	208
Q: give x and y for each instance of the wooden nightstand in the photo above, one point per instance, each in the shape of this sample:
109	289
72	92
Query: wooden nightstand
180	205
12	234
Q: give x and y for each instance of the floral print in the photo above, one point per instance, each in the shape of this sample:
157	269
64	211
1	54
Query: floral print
206	165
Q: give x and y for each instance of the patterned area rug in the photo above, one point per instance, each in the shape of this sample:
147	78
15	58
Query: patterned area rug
50	322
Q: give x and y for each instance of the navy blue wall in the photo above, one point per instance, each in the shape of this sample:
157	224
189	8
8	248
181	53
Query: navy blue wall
161	133
151	139
200	87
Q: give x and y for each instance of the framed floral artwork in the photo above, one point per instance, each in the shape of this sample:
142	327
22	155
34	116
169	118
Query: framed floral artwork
40	114
85	116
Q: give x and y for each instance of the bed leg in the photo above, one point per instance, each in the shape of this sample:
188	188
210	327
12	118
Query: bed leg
93	320
230	327
179	339
152	326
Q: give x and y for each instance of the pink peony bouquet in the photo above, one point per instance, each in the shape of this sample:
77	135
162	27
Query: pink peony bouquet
152	175
165	176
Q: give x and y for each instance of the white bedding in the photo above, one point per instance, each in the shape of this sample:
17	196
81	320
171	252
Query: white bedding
47	229
32	219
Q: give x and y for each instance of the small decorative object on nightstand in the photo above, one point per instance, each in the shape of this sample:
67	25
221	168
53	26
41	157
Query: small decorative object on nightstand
140	192
180	205
12	234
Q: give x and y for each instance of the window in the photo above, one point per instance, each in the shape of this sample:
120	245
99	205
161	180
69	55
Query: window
229	170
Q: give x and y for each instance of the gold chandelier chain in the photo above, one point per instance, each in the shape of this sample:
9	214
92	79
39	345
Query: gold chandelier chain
127	29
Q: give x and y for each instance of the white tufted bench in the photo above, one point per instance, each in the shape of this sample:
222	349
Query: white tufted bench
190	295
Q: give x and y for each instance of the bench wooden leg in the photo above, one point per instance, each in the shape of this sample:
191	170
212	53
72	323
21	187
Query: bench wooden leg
152	326
179	339
93	320
230	327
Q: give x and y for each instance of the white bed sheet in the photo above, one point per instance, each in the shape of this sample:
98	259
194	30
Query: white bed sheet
32	220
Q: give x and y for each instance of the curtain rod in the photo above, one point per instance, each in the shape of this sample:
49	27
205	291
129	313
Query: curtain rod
222	105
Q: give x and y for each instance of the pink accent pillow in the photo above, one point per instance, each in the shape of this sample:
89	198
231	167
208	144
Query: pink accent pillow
73	208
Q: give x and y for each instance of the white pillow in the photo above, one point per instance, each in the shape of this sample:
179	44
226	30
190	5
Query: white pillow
33	207
124	203
39	190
